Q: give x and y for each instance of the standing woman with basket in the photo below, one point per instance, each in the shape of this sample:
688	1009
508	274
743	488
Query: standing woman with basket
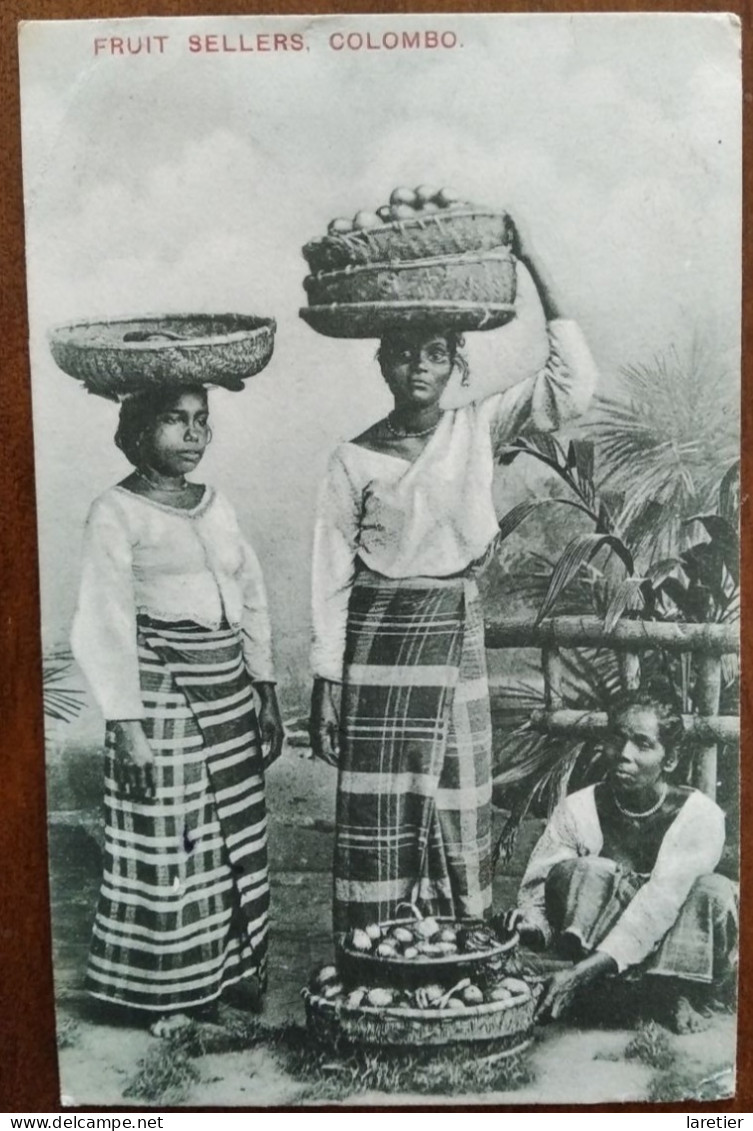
405	524
172	633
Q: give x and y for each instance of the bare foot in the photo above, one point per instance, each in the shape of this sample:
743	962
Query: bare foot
169	1025
684	1018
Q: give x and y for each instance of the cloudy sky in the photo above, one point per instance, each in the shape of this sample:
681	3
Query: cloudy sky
179	181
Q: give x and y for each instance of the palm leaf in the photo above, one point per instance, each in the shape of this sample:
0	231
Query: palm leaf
724	539
62	704
576	554
729	493
627	595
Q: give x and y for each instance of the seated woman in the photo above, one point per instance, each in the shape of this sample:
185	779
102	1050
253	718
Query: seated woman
623	877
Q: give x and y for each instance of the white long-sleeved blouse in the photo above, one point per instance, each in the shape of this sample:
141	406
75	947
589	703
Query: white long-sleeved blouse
692	847
435	516
141	556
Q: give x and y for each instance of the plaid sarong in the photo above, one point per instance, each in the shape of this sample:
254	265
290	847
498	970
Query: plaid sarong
184	901
586	897
414	785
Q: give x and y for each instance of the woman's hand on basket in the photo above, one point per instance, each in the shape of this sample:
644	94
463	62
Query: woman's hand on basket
524	255
270	722
516	921
133	761
325	721
562	988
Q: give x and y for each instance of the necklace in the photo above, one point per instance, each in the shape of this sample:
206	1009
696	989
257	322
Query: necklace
405	435
159	487
647	812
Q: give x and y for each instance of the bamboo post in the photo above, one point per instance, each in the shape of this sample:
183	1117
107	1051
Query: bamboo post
709	687
593	724
627	635
551	663
630	670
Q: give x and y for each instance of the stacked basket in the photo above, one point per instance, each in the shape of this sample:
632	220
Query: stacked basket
427	995
424	259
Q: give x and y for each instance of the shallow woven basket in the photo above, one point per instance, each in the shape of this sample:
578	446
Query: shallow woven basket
447	232
365	969
124	356
509	1021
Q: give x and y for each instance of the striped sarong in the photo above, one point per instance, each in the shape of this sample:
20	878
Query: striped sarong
414	783
183	907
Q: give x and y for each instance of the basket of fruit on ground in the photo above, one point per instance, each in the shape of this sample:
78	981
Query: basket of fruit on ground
409	953
124	356
416	224
497	1011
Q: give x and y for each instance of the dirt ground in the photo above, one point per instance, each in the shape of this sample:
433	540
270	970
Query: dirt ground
97	1061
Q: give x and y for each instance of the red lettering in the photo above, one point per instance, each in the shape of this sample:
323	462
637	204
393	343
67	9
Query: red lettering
227	47
280	42
355	41
390	40
411	40
211	44
296	41
116	46
449	39
194	43
262	43
99	45
370	45
336	41
431	39
243	46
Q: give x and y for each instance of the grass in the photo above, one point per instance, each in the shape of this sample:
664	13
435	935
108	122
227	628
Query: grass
338	1072
673	1085
68	1033
164	1076
326	1072
652	1046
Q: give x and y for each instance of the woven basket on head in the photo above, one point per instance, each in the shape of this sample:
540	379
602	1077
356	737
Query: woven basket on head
508	1022
446	232
448	293
482	277
115	358
375	319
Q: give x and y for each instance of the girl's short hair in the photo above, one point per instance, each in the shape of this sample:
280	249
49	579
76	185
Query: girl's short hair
139	411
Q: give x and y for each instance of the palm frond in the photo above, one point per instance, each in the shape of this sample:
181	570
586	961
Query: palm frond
61	704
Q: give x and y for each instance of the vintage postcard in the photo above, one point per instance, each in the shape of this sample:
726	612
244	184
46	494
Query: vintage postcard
385	384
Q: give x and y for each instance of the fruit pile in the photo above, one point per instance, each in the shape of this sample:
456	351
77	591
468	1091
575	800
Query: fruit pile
465	994
420	939
405	204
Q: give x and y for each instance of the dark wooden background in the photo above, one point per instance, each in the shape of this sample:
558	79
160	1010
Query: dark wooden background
28	1068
